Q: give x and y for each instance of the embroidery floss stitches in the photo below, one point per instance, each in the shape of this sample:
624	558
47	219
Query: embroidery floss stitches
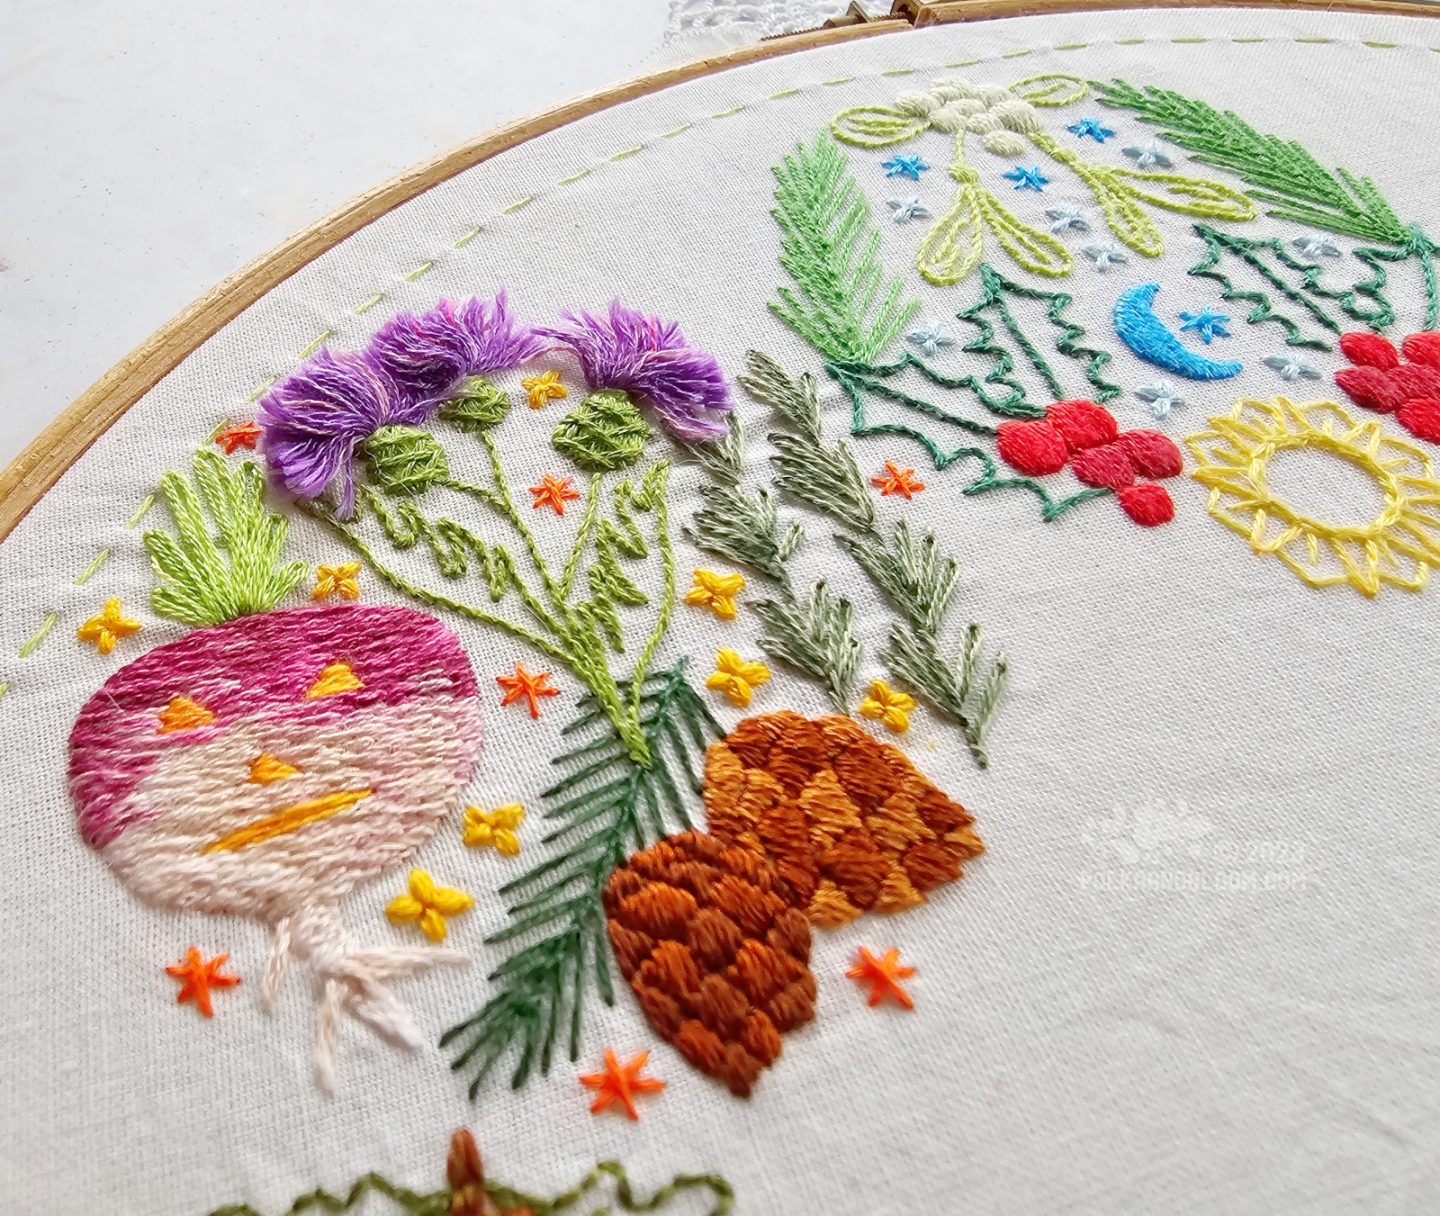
163	758
916	580
1144	333
847	822
1398	546
1379	381
604	806
717	956
1283	174
1005	119
470	1193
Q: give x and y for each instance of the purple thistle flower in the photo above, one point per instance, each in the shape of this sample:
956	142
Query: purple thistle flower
648	358
312	421
425	355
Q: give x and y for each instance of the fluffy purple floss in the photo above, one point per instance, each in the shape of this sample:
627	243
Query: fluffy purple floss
426	354
648	358
312	421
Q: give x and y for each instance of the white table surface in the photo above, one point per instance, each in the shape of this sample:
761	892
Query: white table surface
148	148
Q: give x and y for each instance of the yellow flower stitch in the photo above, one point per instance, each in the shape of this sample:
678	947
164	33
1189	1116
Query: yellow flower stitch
493	829
736	678
716	592
888	705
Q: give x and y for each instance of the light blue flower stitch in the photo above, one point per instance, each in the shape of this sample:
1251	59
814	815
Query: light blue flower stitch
1162	397
1091	127
1149	153
1291	367
904	166
1316	247
1063	219
1105	254
903	210
1206	323
1027	179
930	337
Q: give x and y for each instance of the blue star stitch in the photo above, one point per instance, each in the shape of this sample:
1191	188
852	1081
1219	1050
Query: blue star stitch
1206	324
1091	127
905	166
1027	179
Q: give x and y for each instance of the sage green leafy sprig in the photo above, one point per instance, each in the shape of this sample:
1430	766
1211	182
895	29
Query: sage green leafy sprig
919	581
812	631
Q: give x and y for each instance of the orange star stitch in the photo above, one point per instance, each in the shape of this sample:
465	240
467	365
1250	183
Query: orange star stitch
241	435
883	975
107	628
897	481
197	978
553	492
544	387
619	1082
524	684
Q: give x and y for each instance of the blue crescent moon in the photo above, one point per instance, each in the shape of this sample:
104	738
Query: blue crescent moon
1144	333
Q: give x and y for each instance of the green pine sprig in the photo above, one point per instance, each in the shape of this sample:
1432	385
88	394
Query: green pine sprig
1279	171
606	806
224	560
916	578
828	248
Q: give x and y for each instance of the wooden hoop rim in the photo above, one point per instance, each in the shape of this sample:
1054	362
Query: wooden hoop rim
31	474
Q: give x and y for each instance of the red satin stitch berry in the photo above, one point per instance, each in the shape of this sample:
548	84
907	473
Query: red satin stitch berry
1371	350
1108	466
1415	380
1151	453
1421	417
1422	348
1083	423
1370	387
1147	504
1032	446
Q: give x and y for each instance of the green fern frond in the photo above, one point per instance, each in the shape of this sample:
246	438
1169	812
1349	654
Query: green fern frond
606	806
828	248
224	560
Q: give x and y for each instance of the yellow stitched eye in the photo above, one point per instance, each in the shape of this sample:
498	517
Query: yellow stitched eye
266	768
336	678
183	714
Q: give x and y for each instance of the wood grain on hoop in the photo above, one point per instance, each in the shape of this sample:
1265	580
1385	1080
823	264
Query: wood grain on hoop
26	479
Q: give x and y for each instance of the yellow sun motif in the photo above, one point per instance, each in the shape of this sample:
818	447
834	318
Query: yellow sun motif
1398	546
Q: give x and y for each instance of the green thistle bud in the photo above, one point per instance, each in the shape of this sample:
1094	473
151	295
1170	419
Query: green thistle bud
477	405
405	459
604	432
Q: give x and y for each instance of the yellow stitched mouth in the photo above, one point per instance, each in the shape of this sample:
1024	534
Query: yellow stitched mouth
288	820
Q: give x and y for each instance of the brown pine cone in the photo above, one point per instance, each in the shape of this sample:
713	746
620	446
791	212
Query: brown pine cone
849	824
718	959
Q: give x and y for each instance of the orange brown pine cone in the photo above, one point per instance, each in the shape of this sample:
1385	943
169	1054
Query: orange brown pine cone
716	954
850	825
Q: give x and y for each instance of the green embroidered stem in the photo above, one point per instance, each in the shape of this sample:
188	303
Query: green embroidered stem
915	579
606	805
587	521
506	505
205	577
952	249
1122	202
722	459
1218	244
822	215
655	497
353	538
438	1203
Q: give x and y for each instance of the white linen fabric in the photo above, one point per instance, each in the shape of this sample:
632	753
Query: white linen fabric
1195	972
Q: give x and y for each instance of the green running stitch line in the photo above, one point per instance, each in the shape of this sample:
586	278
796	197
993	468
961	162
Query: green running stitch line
606	806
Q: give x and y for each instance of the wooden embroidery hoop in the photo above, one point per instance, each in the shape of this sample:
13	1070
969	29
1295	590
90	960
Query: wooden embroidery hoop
27	478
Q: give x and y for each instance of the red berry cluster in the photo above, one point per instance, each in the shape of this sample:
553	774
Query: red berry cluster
1379	381
1087	438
